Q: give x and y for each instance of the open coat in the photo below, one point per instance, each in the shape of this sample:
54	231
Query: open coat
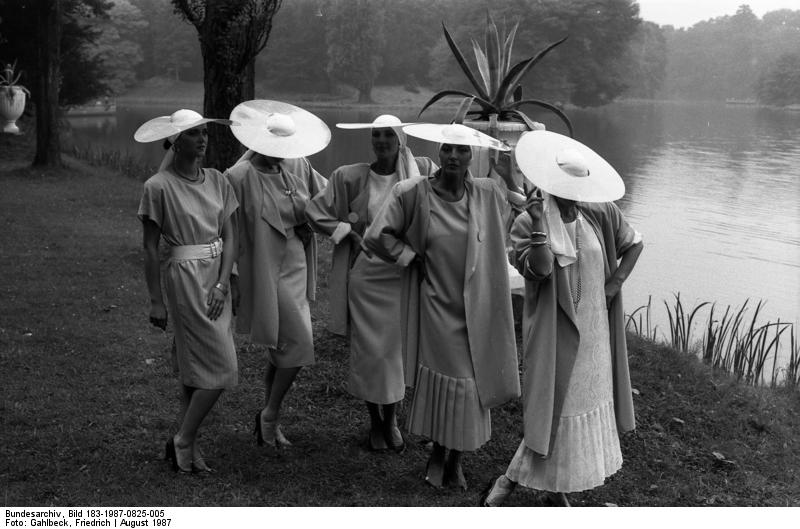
550	335
345	200
402	226
262	244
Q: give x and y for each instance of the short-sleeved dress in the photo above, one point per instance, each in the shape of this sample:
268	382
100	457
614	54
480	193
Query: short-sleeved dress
192	213
586	448
446	406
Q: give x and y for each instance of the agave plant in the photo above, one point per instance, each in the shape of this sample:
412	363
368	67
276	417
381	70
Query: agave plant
500	91
8	80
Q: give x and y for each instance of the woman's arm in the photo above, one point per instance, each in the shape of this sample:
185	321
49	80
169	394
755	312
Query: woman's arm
384	236
532	255
626	264
151	234
218	293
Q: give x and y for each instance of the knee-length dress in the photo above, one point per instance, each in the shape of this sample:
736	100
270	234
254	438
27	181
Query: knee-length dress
192	213
586	447
446	407
276	269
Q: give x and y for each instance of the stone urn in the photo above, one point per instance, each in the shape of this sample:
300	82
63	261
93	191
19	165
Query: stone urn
12	104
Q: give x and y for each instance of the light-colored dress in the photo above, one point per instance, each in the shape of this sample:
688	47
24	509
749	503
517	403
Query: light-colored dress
275	269
586	448
376	363
446	407
192	213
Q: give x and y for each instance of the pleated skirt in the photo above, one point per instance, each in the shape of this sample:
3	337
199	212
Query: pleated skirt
376	355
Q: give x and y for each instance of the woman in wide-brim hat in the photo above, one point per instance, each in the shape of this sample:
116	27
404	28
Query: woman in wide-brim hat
575	250
276	258
190	208
457	324
364	289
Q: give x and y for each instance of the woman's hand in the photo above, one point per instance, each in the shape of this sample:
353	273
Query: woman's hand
534	205
158	315
613	287
502	166
215	302
358	243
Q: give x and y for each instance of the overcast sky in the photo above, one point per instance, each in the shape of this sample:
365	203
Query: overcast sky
686	13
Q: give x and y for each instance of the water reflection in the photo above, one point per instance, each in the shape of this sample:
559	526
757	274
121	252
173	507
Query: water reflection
714	190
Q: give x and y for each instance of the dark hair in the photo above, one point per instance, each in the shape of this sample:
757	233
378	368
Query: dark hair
167	144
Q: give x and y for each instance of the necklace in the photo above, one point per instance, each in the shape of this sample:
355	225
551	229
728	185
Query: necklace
194	178
575	270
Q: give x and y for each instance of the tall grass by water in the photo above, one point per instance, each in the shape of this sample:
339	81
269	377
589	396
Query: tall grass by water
733	341
127	164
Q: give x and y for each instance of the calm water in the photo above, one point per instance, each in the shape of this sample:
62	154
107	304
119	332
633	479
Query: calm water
714	189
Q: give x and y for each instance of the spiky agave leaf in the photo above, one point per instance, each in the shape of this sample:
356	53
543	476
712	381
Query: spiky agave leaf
543	104
519	70
463	64
493	51
447	93
509	43
483	66
462	109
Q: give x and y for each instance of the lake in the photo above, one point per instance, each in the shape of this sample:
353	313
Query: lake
714	189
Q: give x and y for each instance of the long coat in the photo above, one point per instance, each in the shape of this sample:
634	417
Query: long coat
345	200
402	227
262	246
550	334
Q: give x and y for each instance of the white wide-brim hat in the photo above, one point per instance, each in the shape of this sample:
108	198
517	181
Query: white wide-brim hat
454	134
278	129
566	168
166	126
381	122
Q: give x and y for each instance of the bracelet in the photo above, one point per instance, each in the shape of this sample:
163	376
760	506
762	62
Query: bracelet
222	288
538	243
538	233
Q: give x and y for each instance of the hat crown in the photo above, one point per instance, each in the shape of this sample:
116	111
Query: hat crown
184	117
572	162
456	133
281	124
386	120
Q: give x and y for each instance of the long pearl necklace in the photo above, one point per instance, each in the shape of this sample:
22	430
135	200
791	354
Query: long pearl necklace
575	270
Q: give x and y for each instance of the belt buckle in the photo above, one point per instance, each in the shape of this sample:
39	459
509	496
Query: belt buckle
213	247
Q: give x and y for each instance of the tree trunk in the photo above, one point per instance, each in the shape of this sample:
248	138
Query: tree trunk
365	92
45	96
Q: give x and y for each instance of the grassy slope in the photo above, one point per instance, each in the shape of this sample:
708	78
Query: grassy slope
88	398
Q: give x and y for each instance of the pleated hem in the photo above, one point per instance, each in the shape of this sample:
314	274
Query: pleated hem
585	452
447	410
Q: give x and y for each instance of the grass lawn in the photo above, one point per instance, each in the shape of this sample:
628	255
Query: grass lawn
89	399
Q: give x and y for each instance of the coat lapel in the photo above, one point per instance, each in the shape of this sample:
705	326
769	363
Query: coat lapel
474	233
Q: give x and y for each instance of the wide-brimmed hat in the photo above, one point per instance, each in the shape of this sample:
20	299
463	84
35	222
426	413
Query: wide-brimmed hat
279	129
566	168
166	126
454	134
381	122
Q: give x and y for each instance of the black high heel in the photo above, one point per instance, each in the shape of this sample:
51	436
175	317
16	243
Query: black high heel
170	455
257	430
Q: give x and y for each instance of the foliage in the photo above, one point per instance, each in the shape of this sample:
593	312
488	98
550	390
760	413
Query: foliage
780	84
726	56
9	79
355	43
499	90
82	76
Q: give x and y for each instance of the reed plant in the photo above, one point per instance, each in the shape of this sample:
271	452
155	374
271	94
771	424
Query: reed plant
735	342
124	162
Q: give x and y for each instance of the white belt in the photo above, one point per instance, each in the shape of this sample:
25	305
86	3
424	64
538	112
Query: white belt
196	251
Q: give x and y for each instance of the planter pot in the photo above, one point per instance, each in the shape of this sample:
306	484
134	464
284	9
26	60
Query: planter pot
508	131
12	104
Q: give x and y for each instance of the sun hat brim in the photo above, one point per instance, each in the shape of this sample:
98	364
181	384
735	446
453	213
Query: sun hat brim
163	127
454	134
538	154
311	134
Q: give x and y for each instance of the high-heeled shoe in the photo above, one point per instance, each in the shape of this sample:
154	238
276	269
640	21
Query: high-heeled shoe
496	492
269	432
434	473
171	454
257	430
454	476
199	464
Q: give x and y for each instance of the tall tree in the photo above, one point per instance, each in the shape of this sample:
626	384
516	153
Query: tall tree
232	33
116	47
355	41
169	46
48	38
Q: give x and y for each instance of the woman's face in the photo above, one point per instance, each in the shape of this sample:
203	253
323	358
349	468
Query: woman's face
192	143
385	143
455	159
